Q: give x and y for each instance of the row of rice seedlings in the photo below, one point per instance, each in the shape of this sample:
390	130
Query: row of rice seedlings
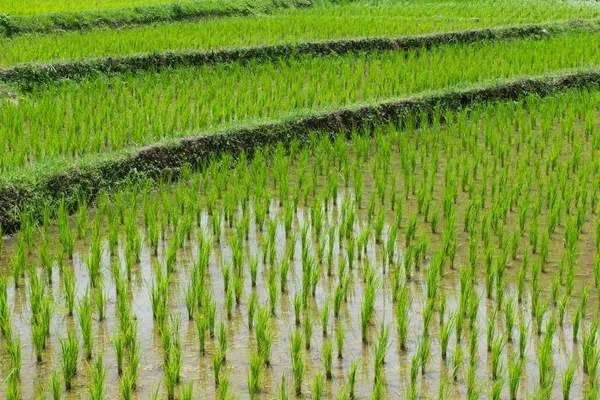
302	25
166	96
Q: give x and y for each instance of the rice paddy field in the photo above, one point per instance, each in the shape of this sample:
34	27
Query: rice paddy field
448	251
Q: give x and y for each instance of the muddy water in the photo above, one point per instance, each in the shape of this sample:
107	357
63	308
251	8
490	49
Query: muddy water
198	368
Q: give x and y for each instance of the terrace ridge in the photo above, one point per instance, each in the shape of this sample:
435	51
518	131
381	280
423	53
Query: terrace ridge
15	25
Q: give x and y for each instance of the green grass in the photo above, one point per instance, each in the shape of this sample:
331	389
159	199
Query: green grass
111	113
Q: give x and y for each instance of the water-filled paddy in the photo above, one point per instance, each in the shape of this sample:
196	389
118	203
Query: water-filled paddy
431	234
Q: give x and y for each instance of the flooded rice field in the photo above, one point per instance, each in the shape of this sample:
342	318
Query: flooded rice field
457	261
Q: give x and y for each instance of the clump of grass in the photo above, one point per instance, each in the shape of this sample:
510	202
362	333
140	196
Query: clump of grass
69	347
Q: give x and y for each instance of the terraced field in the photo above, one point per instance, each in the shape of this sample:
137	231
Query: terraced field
291	199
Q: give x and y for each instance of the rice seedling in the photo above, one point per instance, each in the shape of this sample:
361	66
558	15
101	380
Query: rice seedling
352	379
263	335
318	388
445	335
69	347
325	317
126	387
254	371
119	348
381	348
515	372
98	371
55	385
84	311
308	329
297	361
576	323
568	378
218	359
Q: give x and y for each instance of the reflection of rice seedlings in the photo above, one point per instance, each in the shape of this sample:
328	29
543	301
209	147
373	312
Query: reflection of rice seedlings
69	353
98	371
84	310
515	372
318	386
569	377
297	361
254	373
